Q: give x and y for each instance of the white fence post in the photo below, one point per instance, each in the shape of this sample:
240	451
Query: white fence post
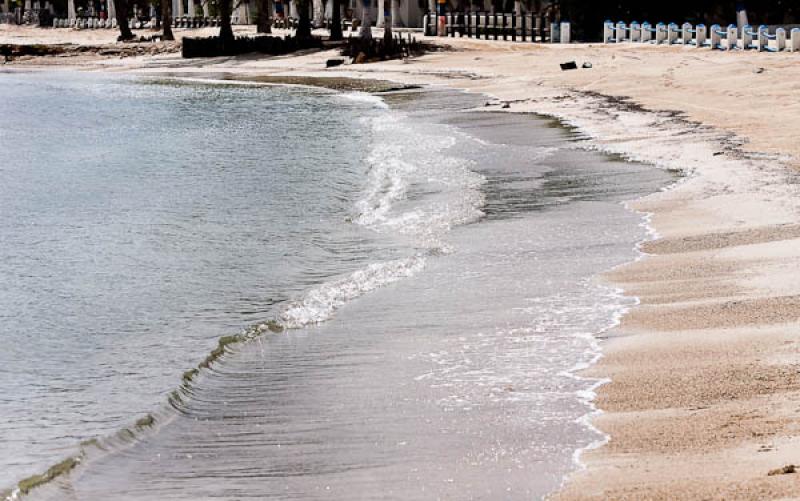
672	33
716	41
795	47
733	36
747	37
763	38
686	33
647	33
700	35
636	32
608	31
566	34
780	38
661	33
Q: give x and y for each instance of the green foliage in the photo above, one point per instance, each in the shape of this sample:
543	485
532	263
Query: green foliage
189	375
274	326
145	422
54	471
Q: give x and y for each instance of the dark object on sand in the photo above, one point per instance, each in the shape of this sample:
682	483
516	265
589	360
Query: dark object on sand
506	105
789	468
14	50
569	66
379	49
330	63
587	65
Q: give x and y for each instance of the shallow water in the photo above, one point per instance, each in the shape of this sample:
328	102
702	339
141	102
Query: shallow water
436	267
140	224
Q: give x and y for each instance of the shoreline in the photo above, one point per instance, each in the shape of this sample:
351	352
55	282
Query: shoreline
584	396
704	370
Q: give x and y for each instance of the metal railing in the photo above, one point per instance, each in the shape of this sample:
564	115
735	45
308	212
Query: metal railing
497	26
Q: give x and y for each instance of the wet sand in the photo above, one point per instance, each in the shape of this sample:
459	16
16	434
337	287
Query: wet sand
704	392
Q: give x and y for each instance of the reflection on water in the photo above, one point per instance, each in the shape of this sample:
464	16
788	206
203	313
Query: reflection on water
140	223
451	258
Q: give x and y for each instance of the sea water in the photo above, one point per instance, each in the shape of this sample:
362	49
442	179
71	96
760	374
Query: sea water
434	269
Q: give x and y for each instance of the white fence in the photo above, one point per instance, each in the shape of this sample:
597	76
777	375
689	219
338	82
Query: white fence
90	23
84	23
716	37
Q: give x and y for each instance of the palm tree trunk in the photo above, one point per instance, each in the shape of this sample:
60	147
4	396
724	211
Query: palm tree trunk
166	19
336	21
366	22
387	24
318	13
225	30
264	22
304	23
741	15
125	32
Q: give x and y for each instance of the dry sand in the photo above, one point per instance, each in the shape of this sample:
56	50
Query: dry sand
704	398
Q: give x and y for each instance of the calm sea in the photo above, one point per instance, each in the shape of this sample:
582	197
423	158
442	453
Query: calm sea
434	269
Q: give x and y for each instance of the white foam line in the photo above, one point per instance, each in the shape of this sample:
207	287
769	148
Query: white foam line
588	396
365	97
659	140
320	303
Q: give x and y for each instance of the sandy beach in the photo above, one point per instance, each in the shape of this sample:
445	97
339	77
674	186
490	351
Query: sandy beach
703	398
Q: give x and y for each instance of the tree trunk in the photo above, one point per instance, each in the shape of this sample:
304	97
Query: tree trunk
264	21
318	10
166	19
387	24
225	30
125	32
741	15
366	22
336	21
304	21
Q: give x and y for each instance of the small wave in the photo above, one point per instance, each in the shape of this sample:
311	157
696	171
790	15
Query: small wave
321	302
364	97
387	182
415	186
